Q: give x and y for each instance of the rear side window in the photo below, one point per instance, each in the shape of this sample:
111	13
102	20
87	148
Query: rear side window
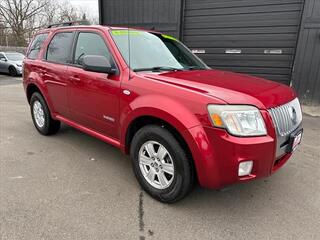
36	45
90	44
59	48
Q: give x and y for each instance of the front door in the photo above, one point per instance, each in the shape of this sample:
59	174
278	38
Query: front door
94	97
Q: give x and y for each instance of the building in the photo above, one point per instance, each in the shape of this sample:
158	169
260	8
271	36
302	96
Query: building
274	39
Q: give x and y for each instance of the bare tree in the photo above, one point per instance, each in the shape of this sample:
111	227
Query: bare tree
17	12
20	19
50	13
68	12
87	16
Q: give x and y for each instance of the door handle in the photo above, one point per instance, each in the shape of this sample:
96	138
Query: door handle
75	78
42	71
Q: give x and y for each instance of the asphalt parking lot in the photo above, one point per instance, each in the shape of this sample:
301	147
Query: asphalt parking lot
72	186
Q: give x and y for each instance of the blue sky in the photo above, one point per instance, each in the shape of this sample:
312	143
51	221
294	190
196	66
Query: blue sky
90	5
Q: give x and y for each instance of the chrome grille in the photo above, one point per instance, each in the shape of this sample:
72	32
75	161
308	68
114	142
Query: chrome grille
286	117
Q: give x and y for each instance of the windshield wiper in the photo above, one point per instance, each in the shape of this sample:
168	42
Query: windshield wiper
157	69
195	68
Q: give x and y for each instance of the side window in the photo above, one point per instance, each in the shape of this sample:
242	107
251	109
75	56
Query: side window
2	57
90	44
36	45
59	48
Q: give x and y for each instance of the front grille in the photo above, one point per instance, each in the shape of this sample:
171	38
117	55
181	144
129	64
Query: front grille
286	117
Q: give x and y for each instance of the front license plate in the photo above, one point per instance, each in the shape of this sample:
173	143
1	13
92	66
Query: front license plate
296	141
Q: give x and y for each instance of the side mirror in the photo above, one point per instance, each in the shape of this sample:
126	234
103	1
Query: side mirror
3	59
95	63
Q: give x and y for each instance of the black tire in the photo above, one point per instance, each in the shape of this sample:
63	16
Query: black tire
50	125
183	179
13	71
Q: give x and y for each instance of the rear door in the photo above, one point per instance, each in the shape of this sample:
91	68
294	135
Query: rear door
54	70
94	97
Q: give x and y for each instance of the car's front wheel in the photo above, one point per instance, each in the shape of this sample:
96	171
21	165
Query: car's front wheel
41	116
13	71
160	164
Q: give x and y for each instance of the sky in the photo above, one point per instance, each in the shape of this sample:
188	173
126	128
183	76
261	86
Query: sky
90	5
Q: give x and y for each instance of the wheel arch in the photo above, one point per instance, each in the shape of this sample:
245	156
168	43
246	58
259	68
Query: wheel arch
141	121
32	88
144	120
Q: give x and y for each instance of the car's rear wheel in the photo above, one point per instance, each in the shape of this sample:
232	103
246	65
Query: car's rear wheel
13	71
41	116
160	164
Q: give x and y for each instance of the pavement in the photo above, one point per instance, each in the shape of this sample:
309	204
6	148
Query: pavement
73	186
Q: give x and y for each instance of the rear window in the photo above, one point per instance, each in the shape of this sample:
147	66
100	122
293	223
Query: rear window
59	48
36	45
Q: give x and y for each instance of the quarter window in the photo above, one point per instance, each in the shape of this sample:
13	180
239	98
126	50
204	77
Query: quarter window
59	48
91	44
36	46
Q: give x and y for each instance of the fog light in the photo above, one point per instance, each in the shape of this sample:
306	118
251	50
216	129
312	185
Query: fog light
245	168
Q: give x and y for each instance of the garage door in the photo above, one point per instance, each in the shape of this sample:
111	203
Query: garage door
306	74
256	37
162	15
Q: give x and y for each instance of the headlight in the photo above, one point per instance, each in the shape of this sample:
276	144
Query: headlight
19	65
239	120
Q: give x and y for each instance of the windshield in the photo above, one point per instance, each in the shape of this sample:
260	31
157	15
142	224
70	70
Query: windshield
151	51
15	56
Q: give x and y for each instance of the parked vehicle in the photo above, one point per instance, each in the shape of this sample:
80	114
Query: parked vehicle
147	94
11	62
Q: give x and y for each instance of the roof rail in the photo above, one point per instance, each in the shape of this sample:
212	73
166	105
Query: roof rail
66	24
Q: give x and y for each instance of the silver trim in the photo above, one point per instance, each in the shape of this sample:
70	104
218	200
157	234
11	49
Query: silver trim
126	92
287	119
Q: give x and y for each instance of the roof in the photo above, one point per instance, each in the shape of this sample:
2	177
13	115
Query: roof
102	27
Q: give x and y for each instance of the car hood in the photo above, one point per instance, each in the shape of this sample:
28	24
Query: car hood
233	88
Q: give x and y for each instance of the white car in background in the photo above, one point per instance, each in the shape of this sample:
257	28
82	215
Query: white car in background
11	62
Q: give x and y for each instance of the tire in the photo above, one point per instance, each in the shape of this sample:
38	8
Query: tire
41	116
182	179
13	71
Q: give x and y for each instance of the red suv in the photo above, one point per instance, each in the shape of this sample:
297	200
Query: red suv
147	94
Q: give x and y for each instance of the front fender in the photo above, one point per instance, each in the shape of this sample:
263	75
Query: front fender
184	121
160	107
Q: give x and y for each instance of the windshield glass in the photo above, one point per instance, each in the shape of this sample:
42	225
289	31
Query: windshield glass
151	51
15	56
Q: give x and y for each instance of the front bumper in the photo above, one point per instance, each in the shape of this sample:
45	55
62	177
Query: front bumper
218	155
19	70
